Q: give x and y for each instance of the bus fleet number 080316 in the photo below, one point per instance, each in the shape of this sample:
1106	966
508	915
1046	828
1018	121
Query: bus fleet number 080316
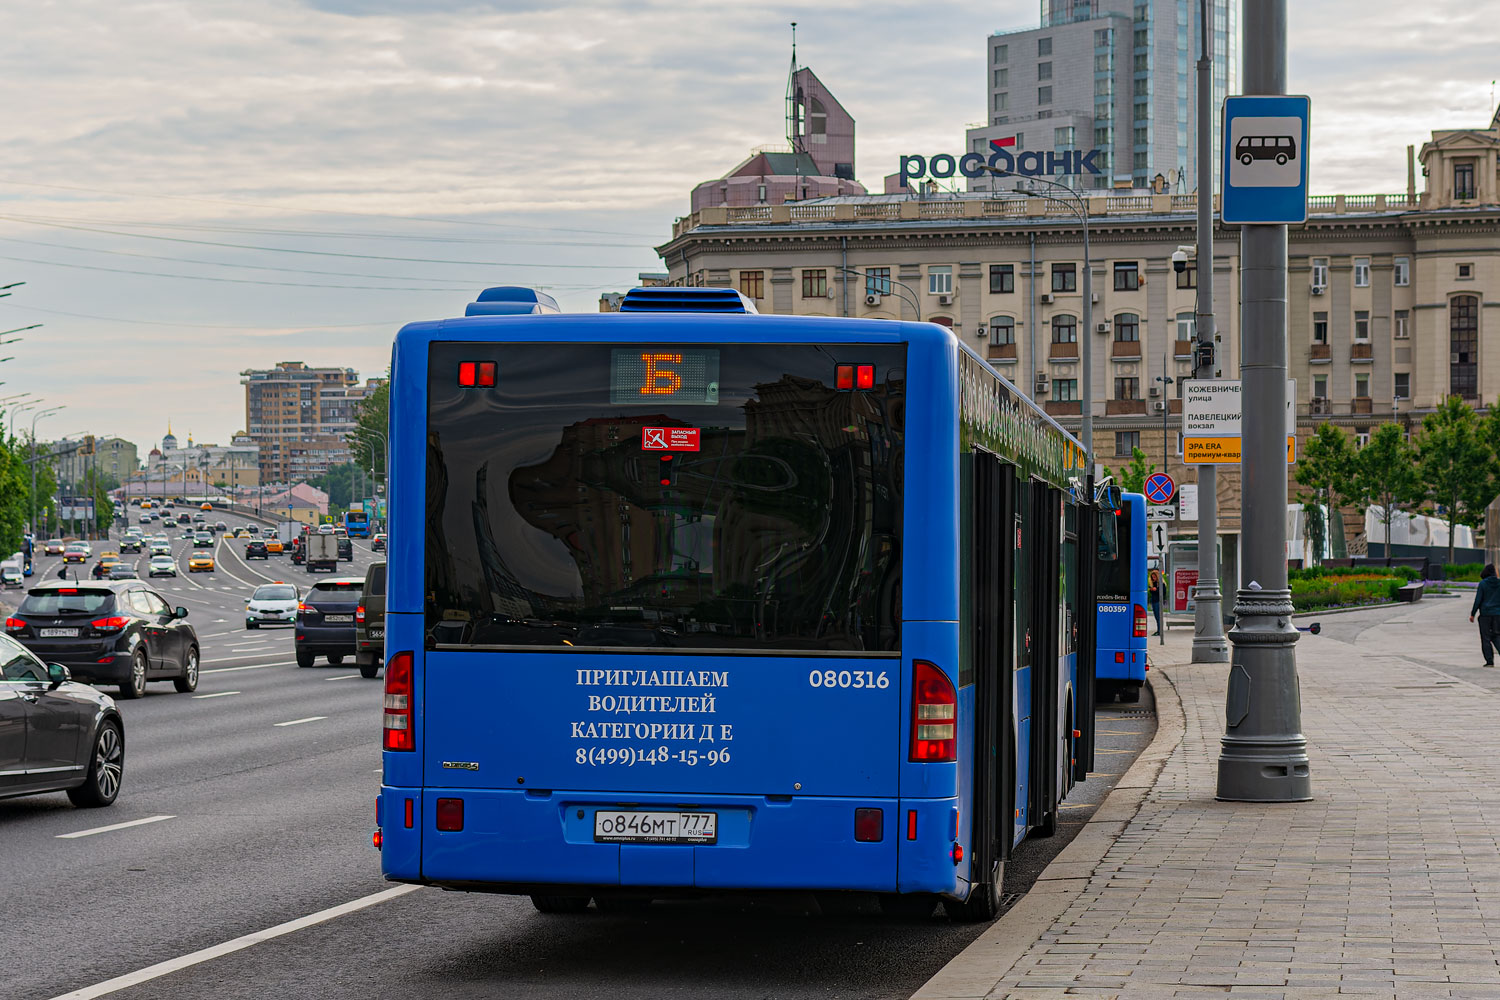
849	679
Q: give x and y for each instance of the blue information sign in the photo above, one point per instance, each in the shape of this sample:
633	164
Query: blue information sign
1265	160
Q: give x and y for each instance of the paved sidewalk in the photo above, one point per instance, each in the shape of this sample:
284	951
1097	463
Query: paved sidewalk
1386	885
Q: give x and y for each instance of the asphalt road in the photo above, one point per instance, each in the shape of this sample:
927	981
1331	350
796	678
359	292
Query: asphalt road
253	801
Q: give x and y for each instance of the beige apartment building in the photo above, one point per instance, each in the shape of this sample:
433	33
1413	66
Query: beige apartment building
1390	295
300	417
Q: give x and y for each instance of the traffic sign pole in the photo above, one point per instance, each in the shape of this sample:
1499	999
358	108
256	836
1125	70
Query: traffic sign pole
1263	754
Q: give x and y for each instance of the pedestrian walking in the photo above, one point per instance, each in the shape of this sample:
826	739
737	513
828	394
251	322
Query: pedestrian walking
1487	606
1154	597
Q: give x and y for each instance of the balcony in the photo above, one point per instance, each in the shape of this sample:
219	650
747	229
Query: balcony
1004	354
1063	408
1360	404
1063	351
1361	353
1118	407
1320	354
1125	349
1182	350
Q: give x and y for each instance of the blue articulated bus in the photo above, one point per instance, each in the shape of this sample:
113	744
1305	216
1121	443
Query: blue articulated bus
690	600
357	523
1120	579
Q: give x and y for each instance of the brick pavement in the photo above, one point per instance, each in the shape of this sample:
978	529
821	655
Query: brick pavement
1386	885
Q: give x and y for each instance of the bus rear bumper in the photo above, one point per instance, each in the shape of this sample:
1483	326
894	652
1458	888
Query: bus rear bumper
514	840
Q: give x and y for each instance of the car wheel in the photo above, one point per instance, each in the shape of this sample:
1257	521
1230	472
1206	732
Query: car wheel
369	670
252	625
106	769
304	659
335	658
189	679
135	687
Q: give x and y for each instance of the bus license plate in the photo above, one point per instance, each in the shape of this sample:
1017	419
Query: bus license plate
616	827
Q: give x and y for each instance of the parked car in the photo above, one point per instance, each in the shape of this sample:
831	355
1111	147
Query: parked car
61	735
114	632
325	620
256	550
272	604
377	543
369	622
163	565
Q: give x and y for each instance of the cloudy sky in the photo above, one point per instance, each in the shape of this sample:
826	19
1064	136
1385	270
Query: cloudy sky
190	188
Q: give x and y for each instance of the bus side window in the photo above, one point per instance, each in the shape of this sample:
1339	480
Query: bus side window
1109	537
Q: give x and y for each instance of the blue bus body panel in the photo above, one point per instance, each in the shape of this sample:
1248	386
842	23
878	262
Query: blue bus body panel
1121	655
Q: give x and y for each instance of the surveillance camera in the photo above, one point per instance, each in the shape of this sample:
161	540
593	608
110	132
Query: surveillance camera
1180	258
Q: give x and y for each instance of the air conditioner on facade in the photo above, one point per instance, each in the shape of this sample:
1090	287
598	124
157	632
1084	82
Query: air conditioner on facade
1319	404
1319	289
1095	298
872	299
981	330
1155	391
1159	407
1041	383
1046	298
945	300
1102	327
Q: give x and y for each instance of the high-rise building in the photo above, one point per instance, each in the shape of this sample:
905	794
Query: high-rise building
1117	76
300	417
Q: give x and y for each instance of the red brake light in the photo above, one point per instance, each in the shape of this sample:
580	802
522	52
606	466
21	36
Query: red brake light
450	814
476	374
468	373
111	623
359	613
301	605
1140	621
864	377
934	715
399	715
844	377
67	590
14	623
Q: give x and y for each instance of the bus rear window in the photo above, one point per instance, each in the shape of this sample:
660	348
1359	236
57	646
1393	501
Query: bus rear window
729	496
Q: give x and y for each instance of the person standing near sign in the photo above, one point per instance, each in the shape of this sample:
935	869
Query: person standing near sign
1153	595
1487	606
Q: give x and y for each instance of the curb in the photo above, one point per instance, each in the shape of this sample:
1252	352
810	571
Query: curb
973	973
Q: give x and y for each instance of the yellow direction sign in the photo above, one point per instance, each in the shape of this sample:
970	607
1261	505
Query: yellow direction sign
1211	421
1224	450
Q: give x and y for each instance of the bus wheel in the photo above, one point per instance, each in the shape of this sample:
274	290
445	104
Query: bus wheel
1130	692
983	903
908	905
560	904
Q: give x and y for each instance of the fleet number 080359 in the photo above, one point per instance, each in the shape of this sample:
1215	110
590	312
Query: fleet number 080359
849	679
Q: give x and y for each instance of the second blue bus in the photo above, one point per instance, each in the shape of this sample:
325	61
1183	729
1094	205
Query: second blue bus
1120	579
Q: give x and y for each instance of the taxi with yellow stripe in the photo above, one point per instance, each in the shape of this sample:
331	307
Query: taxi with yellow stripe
201	561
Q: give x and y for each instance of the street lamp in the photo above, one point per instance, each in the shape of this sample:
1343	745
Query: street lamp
21	409
35	417
1075	203
20	329
915	303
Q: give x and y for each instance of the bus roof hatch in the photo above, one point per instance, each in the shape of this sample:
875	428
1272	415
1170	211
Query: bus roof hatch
671	298
512	300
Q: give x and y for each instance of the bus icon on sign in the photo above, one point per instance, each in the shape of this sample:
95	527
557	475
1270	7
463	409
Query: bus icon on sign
1280	148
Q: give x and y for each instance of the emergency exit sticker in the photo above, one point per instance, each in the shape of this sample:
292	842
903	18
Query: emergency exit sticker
669	438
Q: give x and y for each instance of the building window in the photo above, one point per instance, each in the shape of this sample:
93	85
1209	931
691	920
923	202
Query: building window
1320	328
1403	329
1002	77
940	280
1403	385
1466	272
1401	271
1103	38
1002	53
1062	137
1361	437
1127	276
1361	272
877	281
1188	277
1020	140
1362	386
760	193
1044	71
1002	330
1002	278
1103	62
1320	387
815	283
1187	326
1065	329
1463	179
1043	47
1361	326
1463	346
1320	273
1126	442
1128	388
752	284
1044	95
1127	327
1064	277
1065	390
1002	101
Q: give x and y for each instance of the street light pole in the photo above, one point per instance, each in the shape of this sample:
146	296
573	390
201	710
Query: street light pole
1263	754
916	303
1209	644
34	418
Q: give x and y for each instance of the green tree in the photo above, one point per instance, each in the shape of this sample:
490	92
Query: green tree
98	485
1455	465
338	483
371	427
1387	475
1328	467
1132	478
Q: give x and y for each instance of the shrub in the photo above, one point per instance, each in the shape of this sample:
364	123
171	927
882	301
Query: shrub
1463	572
1347	588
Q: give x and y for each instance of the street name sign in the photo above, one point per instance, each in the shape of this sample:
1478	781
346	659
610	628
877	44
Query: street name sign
1265	160
1211	421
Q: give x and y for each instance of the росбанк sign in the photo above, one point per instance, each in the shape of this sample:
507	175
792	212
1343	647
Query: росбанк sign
1026	164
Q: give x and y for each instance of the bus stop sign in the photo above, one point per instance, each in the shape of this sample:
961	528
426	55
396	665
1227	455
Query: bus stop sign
1265	160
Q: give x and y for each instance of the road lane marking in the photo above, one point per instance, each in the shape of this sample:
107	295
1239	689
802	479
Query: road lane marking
216	694
298	722
252	666
112	827
212	952
342	677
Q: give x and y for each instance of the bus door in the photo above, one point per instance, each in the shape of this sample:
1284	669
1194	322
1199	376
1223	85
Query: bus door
993	556
1045	672
1084	563
1024	638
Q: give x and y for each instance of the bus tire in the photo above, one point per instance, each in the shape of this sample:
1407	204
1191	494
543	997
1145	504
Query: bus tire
560	904
1130	692
983	903
908	905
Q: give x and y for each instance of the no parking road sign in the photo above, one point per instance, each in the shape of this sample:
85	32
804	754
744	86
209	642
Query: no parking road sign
1160	487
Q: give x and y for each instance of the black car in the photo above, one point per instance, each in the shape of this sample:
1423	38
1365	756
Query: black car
56	735
114	632
325	620
369	622
256	550
131	543
346	550
123	571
